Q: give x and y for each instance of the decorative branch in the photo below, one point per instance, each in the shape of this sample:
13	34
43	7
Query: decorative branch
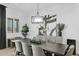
49	17
53	20
52	31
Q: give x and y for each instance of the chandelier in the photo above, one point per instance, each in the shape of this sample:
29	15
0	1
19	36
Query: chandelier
37	18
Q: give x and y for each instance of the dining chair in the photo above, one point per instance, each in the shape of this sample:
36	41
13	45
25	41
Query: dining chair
27	49
37	51
18	46
70	51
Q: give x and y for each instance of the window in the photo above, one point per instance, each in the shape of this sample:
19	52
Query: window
9	24
13	25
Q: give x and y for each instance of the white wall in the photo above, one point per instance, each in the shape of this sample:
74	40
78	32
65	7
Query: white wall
15	13
67	14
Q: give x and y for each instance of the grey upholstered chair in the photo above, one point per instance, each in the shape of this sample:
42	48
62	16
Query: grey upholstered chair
37	51
27	50
70	51
18	46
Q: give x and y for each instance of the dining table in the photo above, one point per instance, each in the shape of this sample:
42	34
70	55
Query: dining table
56	48
53	47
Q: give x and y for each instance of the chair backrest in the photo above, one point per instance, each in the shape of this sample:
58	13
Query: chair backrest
18	38
18	46
26	49
37	51
70	51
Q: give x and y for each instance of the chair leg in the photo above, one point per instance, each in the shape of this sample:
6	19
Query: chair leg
22	54
19	53
53	54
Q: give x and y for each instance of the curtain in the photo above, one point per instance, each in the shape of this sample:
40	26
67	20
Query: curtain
2	26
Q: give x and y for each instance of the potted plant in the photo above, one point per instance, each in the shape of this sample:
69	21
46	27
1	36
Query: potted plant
25	30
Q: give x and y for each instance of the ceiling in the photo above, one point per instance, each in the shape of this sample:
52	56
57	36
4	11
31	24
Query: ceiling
30	7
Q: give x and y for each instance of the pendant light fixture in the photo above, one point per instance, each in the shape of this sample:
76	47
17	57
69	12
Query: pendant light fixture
37	18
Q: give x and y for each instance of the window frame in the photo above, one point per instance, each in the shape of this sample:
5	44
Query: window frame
12	25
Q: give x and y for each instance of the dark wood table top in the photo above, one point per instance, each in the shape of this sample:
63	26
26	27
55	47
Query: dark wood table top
53	47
